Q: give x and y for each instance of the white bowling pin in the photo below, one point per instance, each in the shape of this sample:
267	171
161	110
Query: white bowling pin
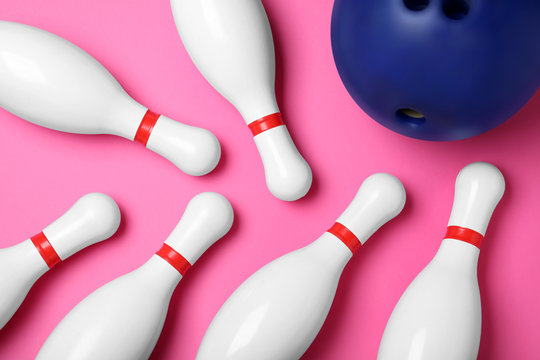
123	319
278	311
51	82
439	315
231	44
93	218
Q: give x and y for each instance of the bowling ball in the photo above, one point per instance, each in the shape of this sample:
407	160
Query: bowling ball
438	69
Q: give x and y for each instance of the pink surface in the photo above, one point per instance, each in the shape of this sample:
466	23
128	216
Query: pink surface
44	172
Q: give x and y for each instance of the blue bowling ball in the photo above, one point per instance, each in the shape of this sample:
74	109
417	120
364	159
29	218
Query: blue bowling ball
438	69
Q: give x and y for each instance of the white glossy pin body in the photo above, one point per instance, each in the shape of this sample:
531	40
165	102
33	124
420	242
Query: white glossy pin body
93	218
278	311
123	319
51	82
439	315
231	44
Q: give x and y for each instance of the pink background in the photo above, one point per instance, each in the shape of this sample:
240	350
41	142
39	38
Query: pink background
44	172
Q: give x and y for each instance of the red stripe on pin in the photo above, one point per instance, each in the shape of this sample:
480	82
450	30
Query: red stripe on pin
145	127
45	249
346	236
460	233
174	258
266	123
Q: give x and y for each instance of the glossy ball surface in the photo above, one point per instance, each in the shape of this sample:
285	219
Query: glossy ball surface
438	69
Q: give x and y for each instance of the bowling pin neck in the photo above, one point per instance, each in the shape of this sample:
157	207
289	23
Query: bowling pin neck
266	123
479	187
457	256
345	236
193	150
123	117
331	253
162	271
257	110
25	257
93	218
207	218
380	198
288	175
174	259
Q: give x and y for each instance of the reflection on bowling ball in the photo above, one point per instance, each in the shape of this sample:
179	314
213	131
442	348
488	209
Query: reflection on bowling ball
438	69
